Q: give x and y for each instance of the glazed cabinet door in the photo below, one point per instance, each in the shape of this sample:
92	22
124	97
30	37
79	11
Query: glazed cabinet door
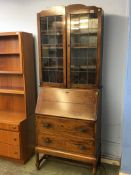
52	47
84	28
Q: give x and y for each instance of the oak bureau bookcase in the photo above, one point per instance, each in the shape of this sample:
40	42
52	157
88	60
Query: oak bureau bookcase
17	95
67	111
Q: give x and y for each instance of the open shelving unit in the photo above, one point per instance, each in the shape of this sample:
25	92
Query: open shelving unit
11	83
17	92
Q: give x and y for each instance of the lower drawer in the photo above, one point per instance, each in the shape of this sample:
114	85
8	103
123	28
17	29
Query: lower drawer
85	147
9	137
10	151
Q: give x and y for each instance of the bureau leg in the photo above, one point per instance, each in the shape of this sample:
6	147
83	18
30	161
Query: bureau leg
94	170
39	160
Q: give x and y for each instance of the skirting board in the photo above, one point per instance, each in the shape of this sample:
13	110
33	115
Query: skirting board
110	161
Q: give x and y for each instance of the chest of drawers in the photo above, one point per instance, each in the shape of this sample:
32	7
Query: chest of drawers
15	142
67	125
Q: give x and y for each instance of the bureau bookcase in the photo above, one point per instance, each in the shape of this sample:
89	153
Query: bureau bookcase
17	95
68	105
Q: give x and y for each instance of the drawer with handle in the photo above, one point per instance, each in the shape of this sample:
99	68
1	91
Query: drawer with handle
67	144
74	127
9	137
9	126
10	151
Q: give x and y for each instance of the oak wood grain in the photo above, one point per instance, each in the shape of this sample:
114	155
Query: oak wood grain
64	126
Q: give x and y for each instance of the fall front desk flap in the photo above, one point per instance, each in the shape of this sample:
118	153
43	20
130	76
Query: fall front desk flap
70	103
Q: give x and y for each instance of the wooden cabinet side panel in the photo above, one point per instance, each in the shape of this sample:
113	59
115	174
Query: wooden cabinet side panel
29	72
27	137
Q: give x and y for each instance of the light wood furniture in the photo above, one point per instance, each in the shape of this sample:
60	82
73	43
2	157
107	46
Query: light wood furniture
68	105
17	95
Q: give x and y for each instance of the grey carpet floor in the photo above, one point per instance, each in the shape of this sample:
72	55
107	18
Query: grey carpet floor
53	167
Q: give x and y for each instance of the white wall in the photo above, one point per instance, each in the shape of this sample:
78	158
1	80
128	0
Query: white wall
16	15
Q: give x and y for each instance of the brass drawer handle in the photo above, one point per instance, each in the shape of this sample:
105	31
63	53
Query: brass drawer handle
14	127
46	125
83	148
83	129
47	140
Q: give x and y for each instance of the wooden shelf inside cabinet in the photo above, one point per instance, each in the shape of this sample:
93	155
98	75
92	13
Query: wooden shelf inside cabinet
11	117
11	72
11	91
90	33
9	53
51	32
52	46
84	47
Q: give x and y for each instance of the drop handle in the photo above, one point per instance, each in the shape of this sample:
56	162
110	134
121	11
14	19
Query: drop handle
82	147
46	125
14	127
83	130
47	140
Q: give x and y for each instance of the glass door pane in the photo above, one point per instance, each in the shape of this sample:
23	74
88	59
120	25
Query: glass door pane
83	41
51	31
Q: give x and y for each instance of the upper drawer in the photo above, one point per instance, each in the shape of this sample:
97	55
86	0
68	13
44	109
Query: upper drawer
9	126
74	127
9	137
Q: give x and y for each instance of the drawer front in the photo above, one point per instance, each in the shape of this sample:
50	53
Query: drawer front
9	137
10	151
74	127
67	144
9	126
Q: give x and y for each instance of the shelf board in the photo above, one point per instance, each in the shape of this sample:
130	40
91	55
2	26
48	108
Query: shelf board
84	47
11	117
6	34
83	67
11	72
85	31
56	34
9	53
52	46
53	67
51	32
51	57
11	91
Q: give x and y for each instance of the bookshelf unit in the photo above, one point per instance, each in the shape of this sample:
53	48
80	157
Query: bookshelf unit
68	118
17	95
